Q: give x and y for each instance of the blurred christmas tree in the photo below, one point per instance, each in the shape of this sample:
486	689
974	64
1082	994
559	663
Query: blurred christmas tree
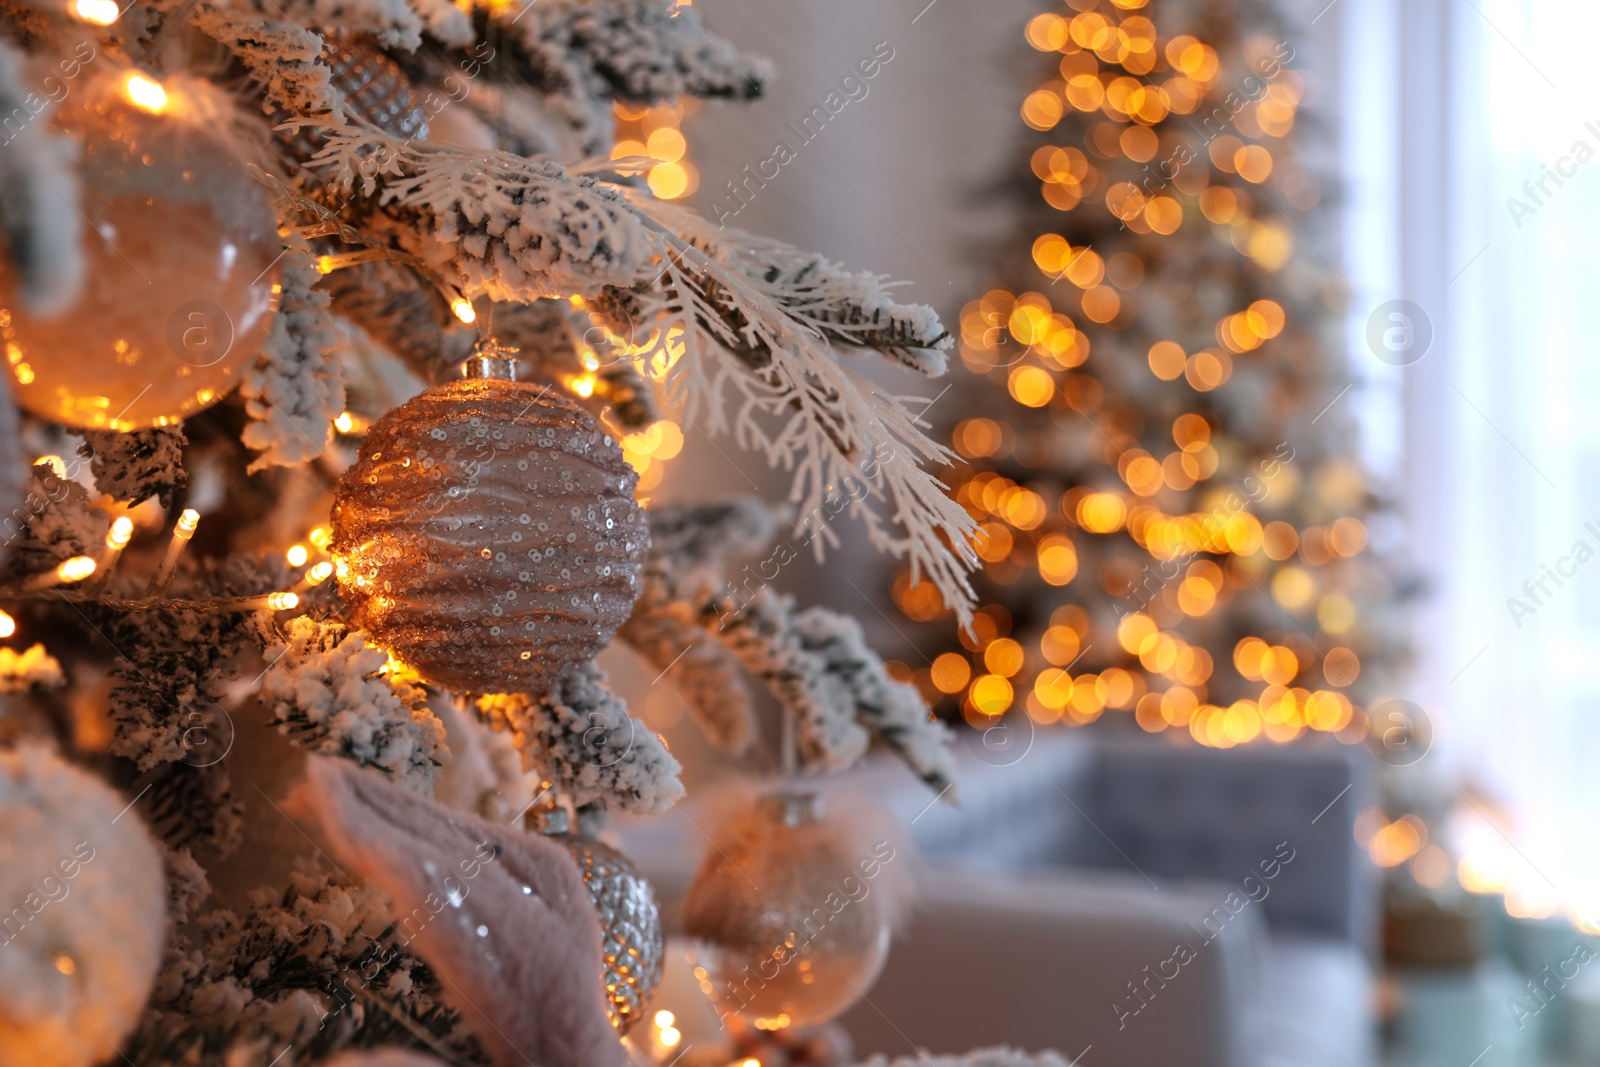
1173	522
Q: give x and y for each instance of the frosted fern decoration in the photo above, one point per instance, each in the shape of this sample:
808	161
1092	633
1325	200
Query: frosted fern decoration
739	345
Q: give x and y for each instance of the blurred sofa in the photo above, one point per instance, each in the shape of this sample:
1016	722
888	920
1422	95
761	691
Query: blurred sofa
1128	901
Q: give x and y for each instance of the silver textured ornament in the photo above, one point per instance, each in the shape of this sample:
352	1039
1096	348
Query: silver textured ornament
487	534
632	946
375	87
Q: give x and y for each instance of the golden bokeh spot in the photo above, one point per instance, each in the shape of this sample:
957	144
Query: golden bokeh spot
1242	722
1031	386
1271	247
1148	714
990	695
667	145
1178	705
978	438
1085	92
1336	614
1294	588
1164	215
1134	631
1207	369
1101	513
1125	200
1341	667
993	542
1243	534
1347	536
1047	32
1280	540
1219	204
950	672
1143	475
1254	163
1025	509
1224	150
1267	317
1059	645
1101	304
1042	109
1053	688
1139	143
1248	656
1167	360
920	602
1058	559
1082	267
1003	657
1279	665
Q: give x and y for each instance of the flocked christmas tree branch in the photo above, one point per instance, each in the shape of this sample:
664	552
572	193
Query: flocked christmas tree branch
752	322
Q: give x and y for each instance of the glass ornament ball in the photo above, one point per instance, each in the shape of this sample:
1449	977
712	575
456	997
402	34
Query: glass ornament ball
778	939
180	274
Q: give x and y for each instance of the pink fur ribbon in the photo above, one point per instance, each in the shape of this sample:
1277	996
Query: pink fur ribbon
501	916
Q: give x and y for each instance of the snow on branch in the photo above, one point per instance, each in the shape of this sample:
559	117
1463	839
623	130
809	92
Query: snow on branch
583	53
295	387
892	710
328	691
494	223
581	739
696	614
715	321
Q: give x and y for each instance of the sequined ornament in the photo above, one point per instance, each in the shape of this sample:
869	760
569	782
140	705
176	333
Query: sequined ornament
787	929
180	279
632	945
487	535
374	88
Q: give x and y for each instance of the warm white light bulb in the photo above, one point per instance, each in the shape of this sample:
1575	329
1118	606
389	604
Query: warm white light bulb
145	93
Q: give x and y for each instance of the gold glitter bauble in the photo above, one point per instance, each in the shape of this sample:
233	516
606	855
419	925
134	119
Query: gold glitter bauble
785	932
488	535
632	946
180	282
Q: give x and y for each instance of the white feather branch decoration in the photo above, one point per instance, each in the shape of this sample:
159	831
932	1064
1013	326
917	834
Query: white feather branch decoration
738	350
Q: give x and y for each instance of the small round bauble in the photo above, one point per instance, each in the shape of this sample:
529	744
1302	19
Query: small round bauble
85	902
180	275
487	535
787	928
632	947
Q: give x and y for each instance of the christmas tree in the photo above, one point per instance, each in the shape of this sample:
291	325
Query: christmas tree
1173	524
340	335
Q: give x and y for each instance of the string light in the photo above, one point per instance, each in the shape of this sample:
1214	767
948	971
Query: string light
182	532
96	12
1119	81
463	310
66	572
297	555
8	625
145	93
